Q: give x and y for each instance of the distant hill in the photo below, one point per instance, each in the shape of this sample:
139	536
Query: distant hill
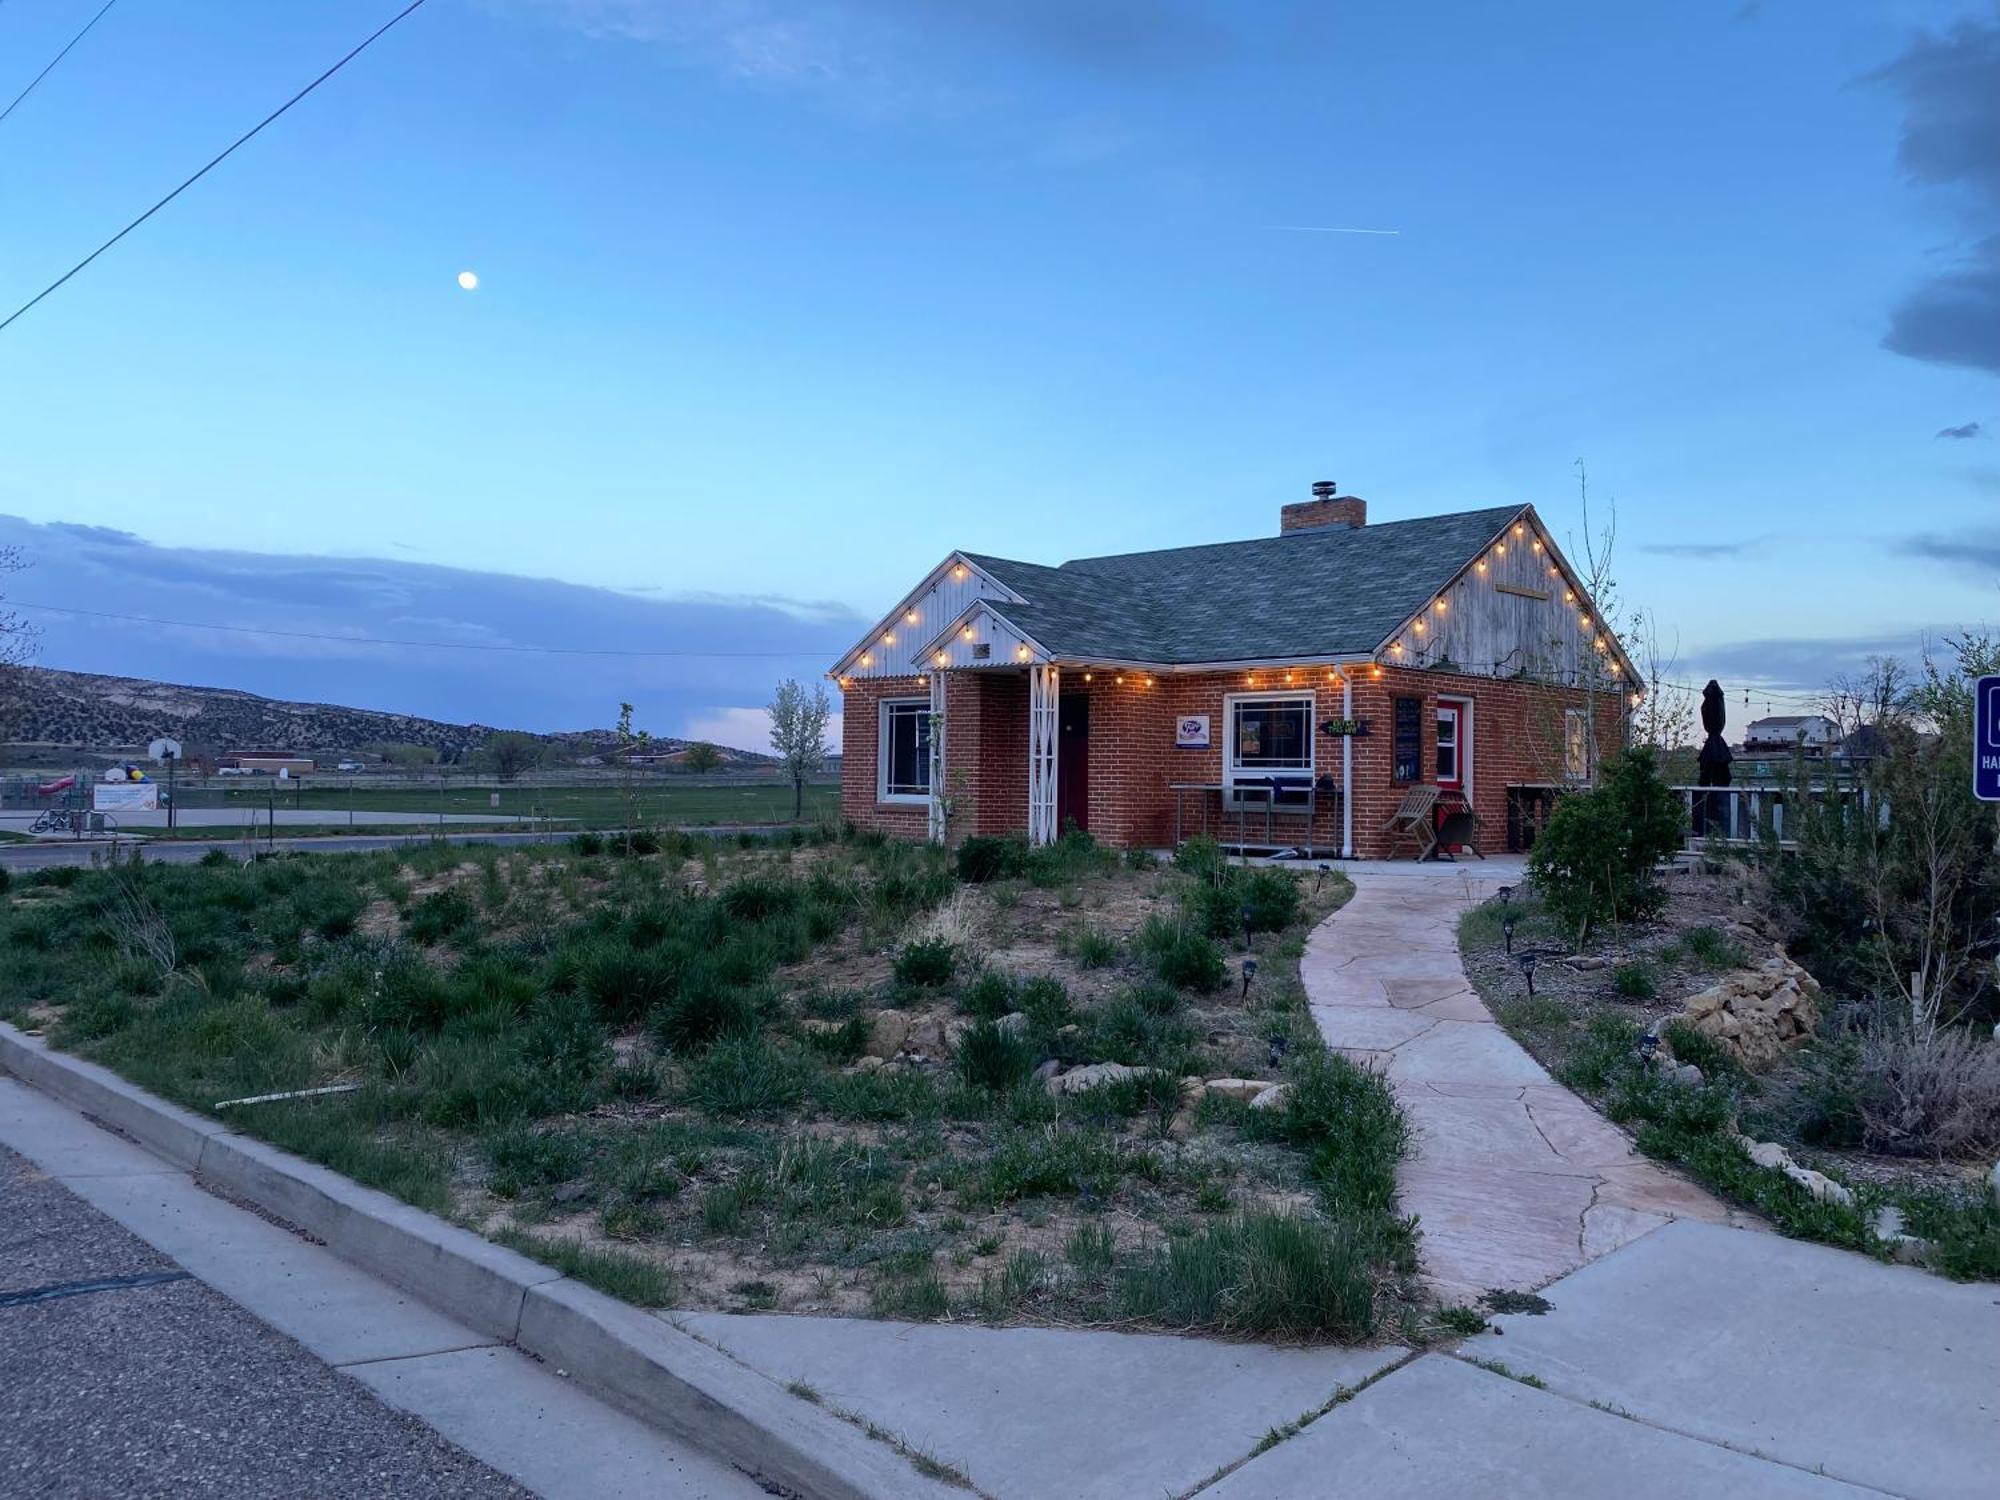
86	711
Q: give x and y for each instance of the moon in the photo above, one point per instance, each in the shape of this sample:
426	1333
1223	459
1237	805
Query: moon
469	280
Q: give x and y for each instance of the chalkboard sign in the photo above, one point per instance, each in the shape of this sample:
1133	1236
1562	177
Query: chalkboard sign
1409	739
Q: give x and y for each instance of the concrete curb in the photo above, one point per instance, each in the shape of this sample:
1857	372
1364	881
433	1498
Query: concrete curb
618	1353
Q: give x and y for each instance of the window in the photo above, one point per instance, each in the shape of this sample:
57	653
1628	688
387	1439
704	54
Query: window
1451	744
1576	744
1270	736
1409	738
905	771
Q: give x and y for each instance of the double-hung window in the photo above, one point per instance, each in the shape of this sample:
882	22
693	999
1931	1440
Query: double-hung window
1270	737
905	769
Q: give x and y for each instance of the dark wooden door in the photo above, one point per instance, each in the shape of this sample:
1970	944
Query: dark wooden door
1072	761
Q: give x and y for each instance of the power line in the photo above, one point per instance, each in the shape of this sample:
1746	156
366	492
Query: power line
56	59
215	162
370	640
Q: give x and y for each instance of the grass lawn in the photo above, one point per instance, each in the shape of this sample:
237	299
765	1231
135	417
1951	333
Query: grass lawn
660	803
795	1073
1586	1029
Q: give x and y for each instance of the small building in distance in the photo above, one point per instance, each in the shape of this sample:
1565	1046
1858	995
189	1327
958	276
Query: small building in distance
266	762
1780	734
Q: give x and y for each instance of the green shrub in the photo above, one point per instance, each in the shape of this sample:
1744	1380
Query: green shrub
758	898
1607	1047
440	915
982	858
1710	948
1347	1119
1594	861
1201	857
1089	947
992	1058
1045	1002
745	1075
842	1043
988	996
1052	1161
1126	1030
1691	1046
1260	1275
704	1008
1182	956
926	962
1637	980
565	1043
587	843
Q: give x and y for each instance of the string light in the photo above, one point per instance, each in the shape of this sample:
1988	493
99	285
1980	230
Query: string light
1538	544
1501	549
941	658
867	660
1145	682
1439	606
1119	680
1482	565
1086	677
1519	529
1020	653
968	632
1376	672
1420	627
888	639
959	571
911	616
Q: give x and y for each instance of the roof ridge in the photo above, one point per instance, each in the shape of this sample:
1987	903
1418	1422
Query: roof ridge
1315	532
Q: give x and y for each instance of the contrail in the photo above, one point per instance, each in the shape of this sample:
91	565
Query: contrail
1330	229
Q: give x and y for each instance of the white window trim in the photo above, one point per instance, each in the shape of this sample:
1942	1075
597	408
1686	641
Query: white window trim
1467	743
882	792
1232	772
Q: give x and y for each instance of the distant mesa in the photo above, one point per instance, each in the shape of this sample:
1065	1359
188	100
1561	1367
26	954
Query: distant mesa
53	711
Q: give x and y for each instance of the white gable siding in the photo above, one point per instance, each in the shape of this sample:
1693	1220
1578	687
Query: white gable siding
893	650
1516	610
1004	645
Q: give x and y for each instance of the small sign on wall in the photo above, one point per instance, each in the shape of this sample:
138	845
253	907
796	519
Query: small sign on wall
1191	732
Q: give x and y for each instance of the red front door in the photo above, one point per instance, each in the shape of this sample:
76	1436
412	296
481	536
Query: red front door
1072	762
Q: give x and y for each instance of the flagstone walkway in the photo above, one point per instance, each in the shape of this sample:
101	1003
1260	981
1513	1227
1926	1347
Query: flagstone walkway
1516	1181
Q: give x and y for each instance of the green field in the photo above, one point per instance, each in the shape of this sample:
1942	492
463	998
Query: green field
606	806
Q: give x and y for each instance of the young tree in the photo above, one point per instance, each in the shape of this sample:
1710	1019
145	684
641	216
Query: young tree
798	734
702	757
632	743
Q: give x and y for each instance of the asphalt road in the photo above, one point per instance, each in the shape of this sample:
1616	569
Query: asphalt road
163	1387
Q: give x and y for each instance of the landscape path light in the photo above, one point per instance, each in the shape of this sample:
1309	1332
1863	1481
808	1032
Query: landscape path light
1249	973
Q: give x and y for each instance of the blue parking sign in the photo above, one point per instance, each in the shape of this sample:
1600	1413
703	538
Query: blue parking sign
1986	739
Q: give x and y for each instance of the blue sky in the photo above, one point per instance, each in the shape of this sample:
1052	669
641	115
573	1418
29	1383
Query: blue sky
779	302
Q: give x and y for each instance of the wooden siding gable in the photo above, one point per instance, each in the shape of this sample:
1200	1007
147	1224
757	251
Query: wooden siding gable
894	648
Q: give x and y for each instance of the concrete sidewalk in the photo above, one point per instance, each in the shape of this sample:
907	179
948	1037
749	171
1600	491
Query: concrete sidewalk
266	1388
1515	1179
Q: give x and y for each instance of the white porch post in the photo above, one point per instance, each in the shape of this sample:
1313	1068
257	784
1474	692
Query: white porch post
1044	684
1346	767
938	810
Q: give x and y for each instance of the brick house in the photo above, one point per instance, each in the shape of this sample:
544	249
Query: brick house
1281	693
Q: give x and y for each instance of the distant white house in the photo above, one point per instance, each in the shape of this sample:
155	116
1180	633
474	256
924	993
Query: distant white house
1780	734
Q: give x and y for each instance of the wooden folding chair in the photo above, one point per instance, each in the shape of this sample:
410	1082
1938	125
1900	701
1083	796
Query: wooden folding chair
1413	821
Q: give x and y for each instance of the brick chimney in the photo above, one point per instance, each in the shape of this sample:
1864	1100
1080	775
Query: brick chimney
1324	509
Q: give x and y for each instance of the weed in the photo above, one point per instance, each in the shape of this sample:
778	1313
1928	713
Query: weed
988	996
1260	1275
745	1075
992	1058
613	1272
1089	947
1092	1247
926	963
1637	980
1461	1320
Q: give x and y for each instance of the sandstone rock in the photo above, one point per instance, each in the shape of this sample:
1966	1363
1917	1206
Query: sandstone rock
1090	1076
814	1026
865	1065
1272	1097
1821	1186
1887	1223
1769	1154
1012	1024
1758	1014
887	1031
1047	1070
1244	1089
1688	1075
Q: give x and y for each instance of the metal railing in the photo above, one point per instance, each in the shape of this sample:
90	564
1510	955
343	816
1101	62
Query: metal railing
1740	815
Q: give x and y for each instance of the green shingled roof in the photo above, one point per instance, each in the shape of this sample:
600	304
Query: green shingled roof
1327	591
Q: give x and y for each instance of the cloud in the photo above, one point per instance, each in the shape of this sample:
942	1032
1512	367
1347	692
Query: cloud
1962	430
1949	84
1976	549
311	628
747	729
1798	663
1743	548
899	56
